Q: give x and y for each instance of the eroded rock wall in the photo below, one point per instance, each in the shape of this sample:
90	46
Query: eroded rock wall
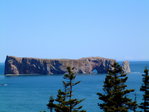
17	65
126	67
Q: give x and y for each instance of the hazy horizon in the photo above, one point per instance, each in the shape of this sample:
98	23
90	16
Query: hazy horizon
75	29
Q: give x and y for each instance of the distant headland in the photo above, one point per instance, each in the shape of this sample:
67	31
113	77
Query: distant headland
22	65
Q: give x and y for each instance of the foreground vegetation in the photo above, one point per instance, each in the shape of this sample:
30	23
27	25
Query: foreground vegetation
115	93
64	100
114	98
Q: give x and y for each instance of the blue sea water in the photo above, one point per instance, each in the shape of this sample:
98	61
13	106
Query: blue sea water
31	93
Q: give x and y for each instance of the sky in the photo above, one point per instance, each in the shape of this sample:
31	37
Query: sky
117	29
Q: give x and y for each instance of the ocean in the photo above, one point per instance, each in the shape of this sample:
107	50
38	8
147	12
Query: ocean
31	93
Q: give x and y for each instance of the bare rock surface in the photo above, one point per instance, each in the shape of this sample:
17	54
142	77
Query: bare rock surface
22	65
126	67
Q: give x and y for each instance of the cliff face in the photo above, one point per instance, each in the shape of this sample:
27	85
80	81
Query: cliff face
126	67
16	65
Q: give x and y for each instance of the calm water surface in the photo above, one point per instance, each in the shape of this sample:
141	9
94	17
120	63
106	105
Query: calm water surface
31	93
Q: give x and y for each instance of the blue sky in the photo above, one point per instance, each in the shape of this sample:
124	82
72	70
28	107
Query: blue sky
117	29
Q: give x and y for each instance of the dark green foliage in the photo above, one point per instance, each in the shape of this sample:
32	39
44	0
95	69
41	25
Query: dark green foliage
65	101
145	88
115	93
50	104
135	106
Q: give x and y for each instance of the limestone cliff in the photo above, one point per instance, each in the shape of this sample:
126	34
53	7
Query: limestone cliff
17	65
126	67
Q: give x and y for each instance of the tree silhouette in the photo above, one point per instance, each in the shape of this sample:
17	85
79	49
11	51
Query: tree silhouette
145	88
115	93
65	102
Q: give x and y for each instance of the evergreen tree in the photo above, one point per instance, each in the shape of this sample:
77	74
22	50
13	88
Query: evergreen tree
135	106
65	101
115	93
145	88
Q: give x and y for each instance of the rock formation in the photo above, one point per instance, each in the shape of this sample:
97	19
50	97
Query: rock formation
126	67
17	65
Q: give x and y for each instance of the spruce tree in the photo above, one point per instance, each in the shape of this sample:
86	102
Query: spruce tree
114	98
65	102
145	88
135	106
